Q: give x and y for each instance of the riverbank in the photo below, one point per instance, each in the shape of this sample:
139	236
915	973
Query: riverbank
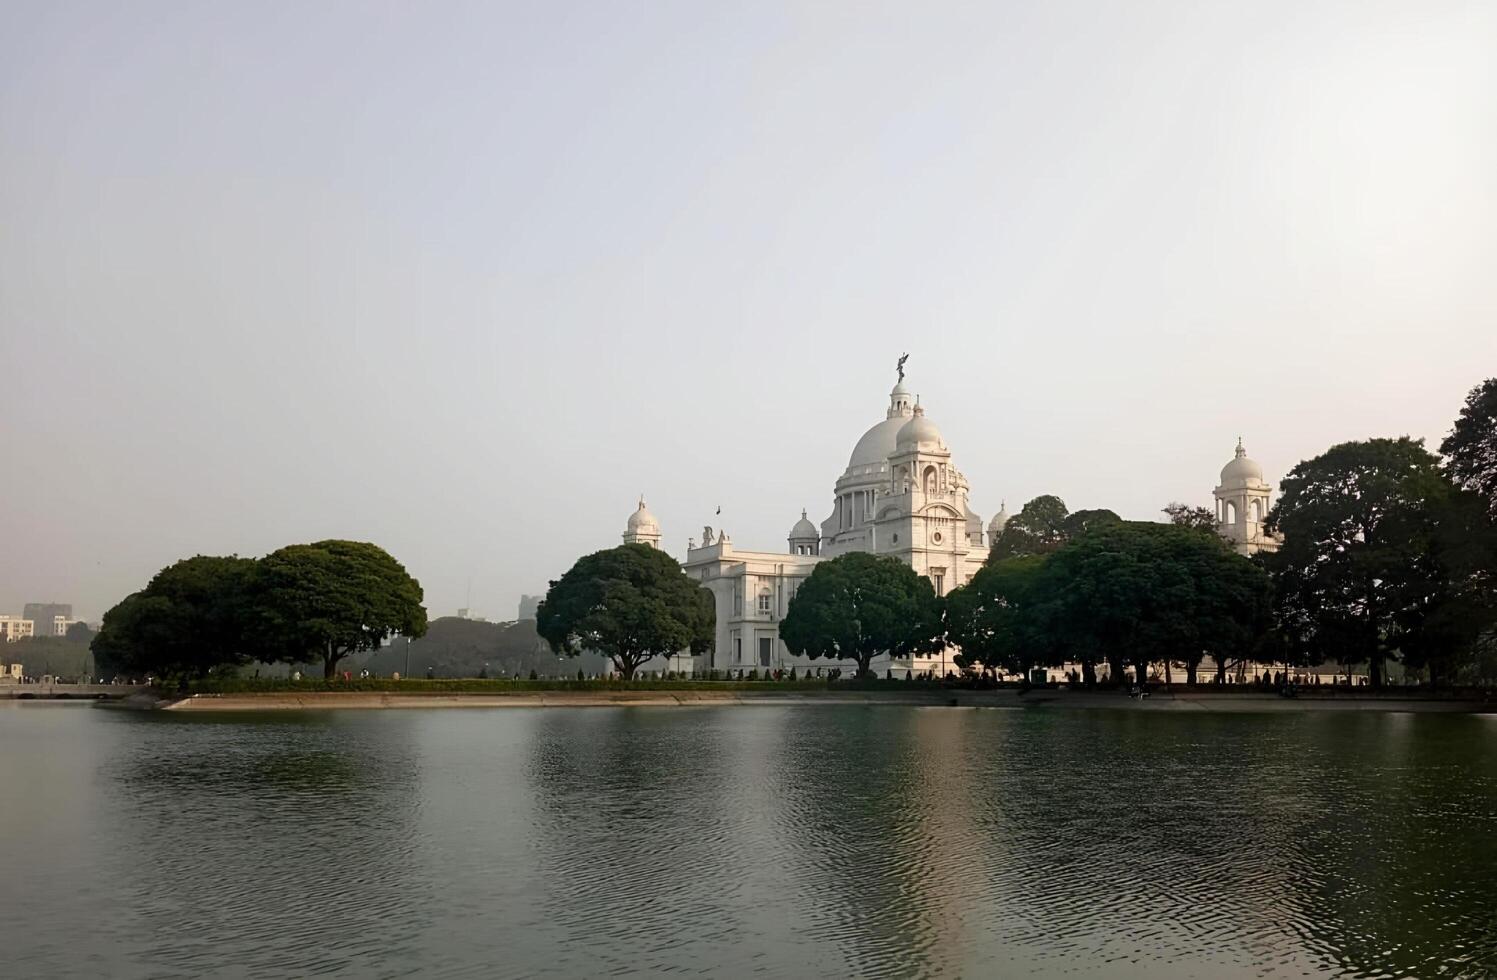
1246	701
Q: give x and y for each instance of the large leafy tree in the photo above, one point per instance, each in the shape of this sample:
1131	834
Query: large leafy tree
1139	592
1034	530
997	619
191	617
629	603
1357	564
326	600
858	606
1471	447
1043	526
1452	613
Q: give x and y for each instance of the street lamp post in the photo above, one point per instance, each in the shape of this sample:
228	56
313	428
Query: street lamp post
407	656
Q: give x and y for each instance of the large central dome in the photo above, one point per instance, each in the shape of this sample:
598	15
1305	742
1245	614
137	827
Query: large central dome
878	443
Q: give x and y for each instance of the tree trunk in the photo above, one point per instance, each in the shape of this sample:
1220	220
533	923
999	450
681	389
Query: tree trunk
625	666
1116	672
1141	671
1221	670
330	663
1169	678
1088	673
1190	672
1375	671
863	663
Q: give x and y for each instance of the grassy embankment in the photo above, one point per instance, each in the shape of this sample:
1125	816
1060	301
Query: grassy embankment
474	685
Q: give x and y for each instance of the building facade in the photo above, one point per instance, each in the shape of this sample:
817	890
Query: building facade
900	495
13	628
44	613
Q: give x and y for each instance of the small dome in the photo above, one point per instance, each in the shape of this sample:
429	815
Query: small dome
1241	471
918	431
999	521
804	529
642	519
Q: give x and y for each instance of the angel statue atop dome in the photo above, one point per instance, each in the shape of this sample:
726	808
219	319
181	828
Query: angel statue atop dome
900	366
707	536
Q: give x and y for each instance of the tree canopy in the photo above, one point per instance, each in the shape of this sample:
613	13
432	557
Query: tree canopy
1471	447
858	606
1356	564
996	619
1124	592
1184	515
326	600
191	617
1044	525
629	603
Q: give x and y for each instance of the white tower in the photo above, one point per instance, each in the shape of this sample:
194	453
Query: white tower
1242	505
921	516
998	523
804	538
642	527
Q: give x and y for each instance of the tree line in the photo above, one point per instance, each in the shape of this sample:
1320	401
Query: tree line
302	604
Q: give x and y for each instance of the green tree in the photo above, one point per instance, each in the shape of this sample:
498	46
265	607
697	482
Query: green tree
326	600
1471	447
1034	530
996	619
1356	565
629	603
192	617
858	606
1452	605
1184	515
1043	526
1133	593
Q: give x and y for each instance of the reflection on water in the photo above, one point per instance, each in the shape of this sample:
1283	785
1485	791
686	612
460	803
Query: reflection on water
781	841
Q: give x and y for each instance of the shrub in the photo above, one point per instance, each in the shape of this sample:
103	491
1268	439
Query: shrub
581	675
792	673
533	675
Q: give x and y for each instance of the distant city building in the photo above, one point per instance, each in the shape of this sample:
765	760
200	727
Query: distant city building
1242	506
61	624
44	613
529	606
14	628
468	614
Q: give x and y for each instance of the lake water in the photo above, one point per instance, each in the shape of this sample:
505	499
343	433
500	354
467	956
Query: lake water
775	841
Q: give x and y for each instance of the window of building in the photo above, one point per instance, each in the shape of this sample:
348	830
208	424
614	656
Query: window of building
737	603
939	581
765	600
737	649
766	650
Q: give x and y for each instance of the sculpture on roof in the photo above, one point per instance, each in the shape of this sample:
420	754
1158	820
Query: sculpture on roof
900	366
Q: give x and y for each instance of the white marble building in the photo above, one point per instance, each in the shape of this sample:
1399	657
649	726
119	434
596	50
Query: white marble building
900	495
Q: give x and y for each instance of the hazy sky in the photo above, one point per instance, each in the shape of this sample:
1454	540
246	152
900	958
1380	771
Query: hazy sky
465	279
